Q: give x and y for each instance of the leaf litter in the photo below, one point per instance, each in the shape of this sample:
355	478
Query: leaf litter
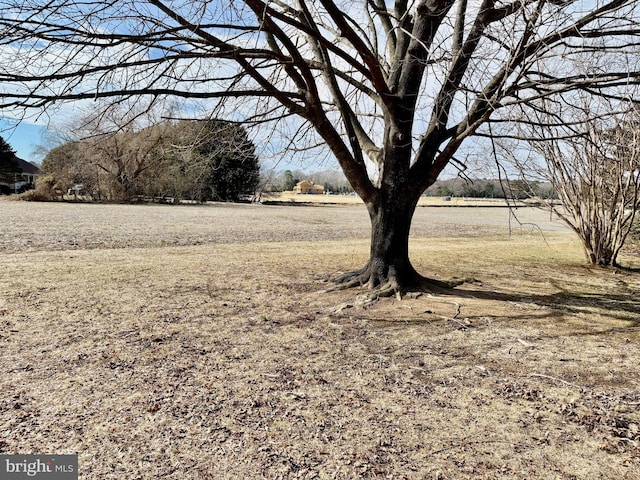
221	359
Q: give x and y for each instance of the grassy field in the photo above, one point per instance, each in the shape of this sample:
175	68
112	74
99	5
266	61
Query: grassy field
194	342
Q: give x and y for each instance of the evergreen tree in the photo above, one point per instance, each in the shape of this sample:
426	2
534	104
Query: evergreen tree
289	181
233	167
8	162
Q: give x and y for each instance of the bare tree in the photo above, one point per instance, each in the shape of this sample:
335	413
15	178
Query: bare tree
593	164
65	166
393	92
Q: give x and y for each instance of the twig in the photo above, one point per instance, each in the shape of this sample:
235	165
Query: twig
548	377
526	344
458	307
342	307
632	442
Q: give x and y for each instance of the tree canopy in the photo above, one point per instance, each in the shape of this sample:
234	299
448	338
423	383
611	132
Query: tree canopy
393	90
197	160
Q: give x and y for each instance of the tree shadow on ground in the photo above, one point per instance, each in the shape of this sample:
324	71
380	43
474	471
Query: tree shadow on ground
621	306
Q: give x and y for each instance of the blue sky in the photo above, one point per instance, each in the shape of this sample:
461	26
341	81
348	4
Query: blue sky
23	138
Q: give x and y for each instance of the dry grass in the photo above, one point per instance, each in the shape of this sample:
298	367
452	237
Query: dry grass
296	198
192	343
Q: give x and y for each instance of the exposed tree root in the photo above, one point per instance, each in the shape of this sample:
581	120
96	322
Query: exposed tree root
390	285
353	279
338	285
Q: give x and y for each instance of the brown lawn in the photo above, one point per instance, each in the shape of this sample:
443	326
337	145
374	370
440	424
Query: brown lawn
194	342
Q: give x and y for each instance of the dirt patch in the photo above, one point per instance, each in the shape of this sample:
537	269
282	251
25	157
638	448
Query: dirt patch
219	358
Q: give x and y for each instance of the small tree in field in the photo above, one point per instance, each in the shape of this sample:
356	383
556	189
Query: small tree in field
393	89
597	177
592	163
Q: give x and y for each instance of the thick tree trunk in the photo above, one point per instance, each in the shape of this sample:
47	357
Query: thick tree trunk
389	270
391	207
389	264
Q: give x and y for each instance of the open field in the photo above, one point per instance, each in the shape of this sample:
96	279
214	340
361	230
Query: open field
177	342
295	198
54	226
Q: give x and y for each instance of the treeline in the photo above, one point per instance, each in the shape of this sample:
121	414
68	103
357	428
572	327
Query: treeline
195	159
334	181
486	188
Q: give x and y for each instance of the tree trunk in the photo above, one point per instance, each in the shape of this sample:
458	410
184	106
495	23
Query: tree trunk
389	270
600	250
389	264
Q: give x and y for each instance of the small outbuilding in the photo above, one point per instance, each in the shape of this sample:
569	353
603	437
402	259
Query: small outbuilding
307	186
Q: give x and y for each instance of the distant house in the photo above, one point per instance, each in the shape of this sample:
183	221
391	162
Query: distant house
307	186
23	179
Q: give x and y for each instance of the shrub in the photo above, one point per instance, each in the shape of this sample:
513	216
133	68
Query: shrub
35	196
46	190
